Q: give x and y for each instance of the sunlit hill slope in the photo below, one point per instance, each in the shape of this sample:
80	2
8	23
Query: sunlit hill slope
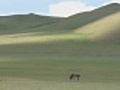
105	29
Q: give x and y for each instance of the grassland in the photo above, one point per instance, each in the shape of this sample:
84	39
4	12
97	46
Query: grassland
36	56
45	64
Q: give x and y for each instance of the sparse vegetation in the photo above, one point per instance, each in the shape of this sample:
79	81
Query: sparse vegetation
42	57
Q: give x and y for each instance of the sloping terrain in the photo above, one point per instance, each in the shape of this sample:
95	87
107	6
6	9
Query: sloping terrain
82	19
40	53
36	23
106	29
22	23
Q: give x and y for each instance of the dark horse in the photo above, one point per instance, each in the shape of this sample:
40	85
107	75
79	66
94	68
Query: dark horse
73	76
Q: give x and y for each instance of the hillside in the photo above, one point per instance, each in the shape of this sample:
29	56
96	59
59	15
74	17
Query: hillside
37	23
22	23
41	52
81	19
106	29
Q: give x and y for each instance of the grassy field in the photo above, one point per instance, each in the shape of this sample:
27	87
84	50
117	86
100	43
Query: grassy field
52	73
40	52
45	64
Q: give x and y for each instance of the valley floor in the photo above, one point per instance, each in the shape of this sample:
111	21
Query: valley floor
48	65
28	84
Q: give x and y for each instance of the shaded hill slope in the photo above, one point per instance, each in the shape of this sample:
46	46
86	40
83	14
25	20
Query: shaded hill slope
21	23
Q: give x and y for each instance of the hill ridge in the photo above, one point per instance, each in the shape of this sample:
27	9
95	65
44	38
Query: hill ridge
32	22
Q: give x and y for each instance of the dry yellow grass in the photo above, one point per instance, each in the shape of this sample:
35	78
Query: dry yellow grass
35	38
102	29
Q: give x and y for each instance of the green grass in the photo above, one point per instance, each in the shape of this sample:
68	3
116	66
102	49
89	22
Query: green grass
47	66
28	84
24	23
41	55
51	73
38	37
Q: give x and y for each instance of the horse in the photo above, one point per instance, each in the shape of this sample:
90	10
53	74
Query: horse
73	76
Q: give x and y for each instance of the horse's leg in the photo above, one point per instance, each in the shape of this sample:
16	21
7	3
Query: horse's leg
77	77
71	76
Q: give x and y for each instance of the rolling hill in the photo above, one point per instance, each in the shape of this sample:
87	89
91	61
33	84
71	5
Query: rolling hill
36	23
82	19
100	24
106	29
40	52
22	23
